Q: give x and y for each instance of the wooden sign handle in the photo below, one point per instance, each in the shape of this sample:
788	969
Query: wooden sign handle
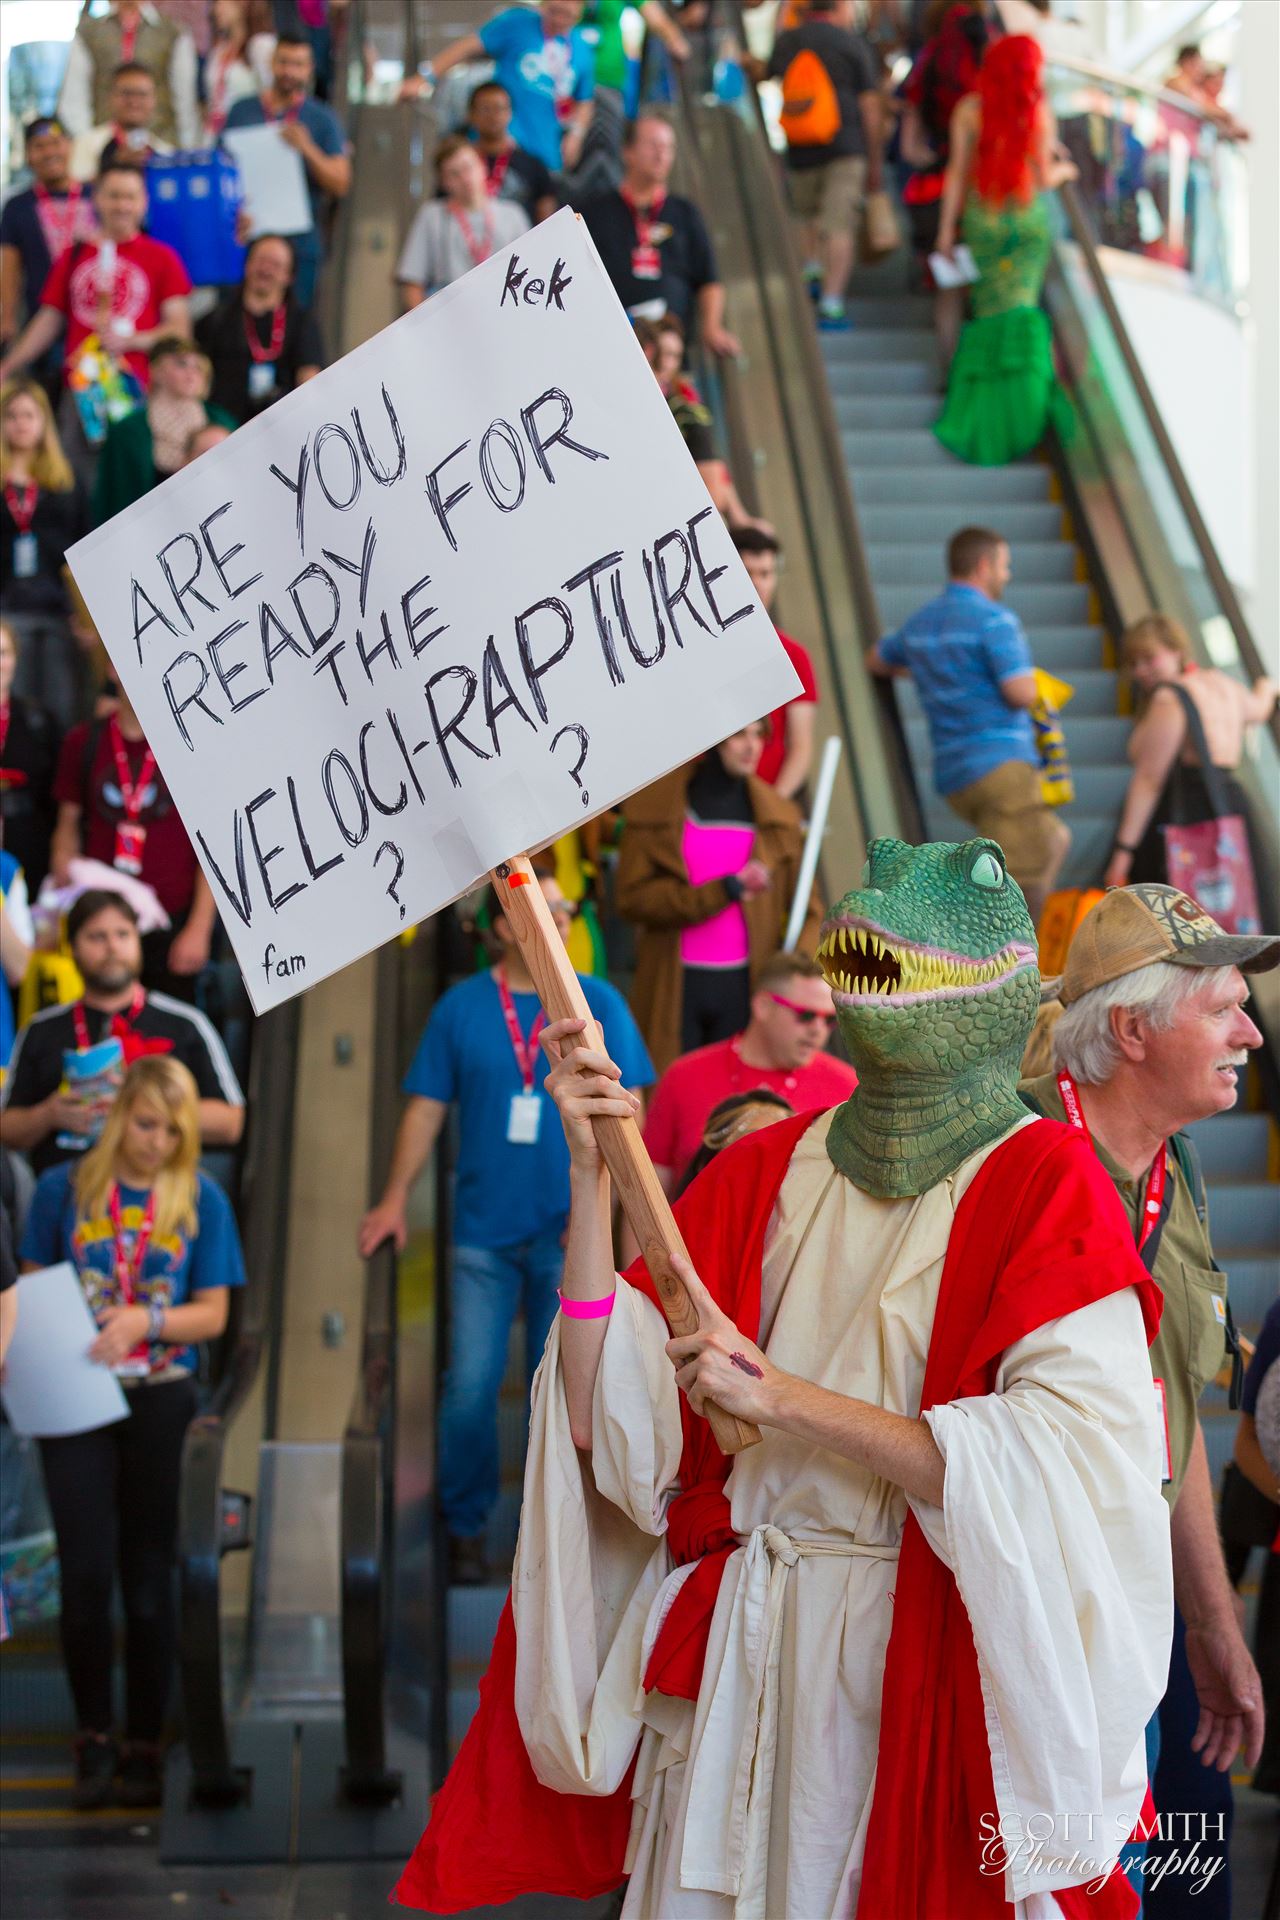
643	1201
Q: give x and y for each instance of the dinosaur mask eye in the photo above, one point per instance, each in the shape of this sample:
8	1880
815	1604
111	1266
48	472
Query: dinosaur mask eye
986	871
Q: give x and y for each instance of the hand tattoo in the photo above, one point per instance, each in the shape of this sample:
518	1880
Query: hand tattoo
747	1366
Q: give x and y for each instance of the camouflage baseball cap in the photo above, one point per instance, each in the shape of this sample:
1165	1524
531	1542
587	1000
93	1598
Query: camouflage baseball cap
1132	927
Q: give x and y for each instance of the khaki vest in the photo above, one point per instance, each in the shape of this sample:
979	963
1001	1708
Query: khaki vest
152	48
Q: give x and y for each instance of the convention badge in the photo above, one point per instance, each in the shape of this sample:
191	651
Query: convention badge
131	1369
1219	1309
130	841
262	379
26	556
646	263
524	1119
1166	1453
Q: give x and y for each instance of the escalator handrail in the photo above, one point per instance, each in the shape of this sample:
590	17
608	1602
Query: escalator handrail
1078	223
200	1531
775	246
367	1503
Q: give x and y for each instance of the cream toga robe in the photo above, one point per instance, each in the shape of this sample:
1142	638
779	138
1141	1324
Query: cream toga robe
754	1802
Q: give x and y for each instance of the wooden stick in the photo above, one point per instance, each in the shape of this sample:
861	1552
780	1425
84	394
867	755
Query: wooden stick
643	1201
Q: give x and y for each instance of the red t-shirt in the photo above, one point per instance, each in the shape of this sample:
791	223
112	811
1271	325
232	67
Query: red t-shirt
699	1081
147	274
168	858
775	747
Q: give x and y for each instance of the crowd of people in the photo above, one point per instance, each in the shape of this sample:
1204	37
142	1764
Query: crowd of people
723	1033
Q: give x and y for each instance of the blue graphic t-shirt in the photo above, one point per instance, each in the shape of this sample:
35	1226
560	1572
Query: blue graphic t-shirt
509	1191
545	76
173	1269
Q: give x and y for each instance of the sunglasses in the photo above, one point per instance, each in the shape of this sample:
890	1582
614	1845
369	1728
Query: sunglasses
805	1015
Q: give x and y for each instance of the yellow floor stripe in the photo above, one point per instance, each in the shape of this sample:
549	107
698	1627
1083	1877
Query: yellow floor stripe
145	1816
28	1783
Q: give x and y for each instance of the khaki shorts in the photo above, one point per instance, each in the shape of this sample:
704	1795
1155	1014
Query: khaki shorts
832	195
1007	806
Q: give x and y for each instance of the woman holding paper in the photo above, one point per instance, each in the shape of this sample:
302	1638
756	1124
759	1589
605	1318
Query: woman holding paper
1001	392
156	1248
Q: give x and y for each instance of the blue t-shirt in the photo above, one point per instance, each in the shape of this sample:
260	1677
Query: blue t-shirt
1265	1356
173	1268
543	74
325	129
505	1192
958	649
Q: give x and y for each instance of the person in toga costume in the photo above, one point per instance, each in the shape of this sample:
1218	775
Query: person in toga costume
896	1660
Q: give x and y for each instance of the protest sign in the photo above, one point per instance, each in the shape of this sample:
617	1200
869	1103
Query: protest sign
434	608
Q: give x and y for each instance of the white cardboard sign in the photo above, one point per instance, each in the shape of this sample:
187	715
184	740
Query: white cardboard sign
432	609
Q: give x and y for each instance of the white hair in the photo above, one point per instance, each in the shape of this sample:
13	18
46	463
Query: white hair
1083	1042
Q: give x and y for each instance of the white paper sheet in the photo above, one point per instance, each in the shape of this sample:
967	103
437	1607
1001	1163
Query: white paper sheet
50	1384
458	594
274	180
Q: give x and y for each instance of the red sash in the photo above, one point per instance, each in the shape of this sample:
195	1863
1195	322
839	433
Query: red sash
1039	1233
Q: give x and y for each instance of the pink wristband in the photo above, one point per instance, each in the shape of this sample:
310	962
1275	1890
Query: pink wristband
588	1309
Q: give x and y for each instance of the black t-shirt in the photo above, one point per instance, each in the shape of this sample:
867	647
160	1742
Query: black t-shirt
26	791
849	61
525	179
60	520
684	249
716	794
222	335
35	1065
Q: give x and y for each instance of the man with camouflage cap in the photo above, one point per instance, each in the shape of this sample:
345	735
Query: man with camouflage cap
1152	1036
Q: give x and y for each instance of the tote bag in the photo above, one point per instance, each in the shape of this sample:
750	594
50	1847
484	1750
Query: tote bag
1210	859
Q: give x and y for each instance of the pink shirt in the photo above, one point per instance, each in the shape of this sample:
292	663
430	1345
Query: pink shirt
712	850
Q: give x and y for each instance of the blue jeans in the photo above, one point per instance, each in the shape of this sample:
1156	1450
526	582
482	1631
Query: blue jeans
490	1284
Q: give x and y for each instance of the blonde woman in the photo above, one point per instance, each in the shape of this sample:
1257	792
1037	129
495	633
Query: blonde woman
43	511
157	1251
1167	786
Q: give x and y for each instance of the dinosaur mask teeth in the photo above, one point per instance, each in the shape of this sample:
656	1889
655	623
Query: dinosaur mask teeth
859	965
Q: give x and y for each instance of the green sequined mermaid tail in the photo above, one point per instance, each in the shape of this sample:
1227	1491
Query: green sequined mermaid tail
1002	393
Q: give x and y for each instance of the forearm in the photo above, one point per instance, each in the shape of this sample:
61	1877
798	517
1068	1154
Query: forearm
8	1319
872	117
10	291
1200	1582
1139	806
1252	1462
175	318
470	47
330	171
35	339
710	302
221	1123
416	1136
198	1320
22	1128
202	914
887	1444
588	1275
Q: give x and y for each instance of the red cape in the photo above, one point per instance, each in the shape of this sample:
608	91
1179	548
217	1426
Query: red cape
1039	1233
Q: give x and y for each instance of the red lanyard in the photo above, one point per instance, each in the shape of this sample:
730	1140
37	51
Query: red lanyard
1159	1166
497	174
128	1268
124	1018
645	219
128	39
58	222
4	725
132	792
257	351
526	1051
479	249
220	61
21	502
287	114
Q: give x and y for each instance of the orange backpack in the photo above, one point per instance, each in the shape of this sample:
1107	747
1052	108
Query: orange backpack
810	109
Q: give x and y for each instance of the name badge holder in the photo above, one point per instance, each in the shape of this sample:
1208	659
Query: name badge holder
524	1116
26	556
262	379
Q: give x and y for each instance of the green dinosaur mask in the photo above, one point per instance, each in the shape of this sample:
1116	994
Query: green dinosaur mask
932	961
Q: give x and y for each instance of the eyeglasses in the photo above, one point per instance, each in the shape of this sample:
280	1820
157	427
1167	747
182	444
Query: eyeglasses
805	1015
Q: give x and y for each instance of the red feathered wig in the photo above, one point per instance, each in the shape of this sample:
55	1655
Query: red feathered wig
1010	87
